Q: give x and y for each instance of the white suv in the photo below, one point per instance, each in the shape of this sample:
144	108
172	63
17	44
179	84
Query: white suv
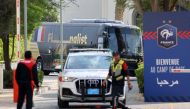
82	77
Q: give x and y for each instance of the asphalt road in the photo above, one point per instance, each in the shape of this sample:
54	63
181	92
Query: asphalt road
47	98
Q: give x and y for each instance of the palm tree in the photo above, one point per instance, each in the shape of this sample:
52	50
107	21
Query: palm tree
120	7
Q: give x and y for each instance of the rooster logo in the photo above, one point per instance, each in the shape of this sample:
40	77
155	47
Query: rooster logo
167	36
165	33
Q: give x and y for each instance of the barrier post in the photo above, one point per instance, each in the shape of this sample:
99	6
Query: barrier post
15	88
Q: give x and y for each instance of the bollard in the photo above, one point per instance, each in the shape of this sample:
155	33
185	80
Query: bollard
1	79
15	88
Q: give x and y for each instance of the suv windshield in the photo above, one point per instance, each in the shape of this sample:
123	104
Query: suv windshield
88	62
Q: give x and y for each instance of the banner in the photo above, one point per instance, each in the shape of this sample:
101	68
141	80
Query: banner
166	40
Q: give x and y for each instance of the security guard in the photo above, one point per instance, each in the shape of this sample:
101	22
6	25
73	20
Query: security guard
118	71
26	77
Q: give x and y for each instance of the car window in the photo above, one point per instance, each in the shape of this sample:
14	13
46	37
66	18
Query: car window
88	62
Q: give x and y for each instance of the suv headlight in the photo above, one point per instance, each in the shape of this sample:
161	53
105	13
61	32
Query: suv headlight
66	79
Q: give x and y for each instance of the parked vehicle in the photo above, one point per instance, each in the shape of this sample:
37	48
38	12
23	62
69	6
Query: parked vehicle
82	77
81	33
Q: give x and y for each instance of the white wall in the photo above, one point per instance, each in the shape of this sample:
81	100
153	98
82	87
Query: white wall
94	9
87	9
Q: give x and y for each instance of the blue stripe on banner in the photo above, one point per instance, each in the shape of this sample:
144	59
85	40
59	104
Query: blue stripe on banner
167	99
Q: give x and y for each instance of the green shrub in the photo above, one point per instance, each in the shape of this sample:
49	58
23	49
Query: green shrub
140	77
40	77
7	79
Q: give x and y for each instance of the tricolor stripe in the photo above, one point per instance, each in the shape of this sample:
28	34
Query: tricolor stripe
153	35
40	35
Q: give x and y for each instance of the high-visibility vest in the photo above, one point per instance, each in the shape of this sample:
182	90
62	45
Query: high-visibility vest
116	69
29	64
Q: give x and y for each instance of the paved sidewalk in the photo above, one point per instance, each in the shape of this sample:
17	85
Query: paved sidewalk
6	99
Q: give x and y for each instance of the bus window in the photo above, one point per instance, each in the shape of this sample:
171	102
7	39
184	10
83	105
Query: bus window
112	40
116	41
132	40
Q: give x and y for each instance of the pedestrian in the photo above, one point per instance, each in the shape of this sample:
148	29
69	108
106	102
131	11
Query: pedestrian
27	79
123	53
118	72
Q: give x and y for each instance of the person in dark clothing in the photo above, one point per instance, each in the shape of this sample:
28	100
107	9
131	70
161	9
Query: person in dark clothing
118	72
27	79
123	53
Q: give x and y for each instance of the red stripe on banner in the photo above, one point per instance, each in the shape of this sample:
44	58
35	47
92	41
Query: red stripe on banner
42	34
183	34
144	35
188	33
149	35
153	36
179	34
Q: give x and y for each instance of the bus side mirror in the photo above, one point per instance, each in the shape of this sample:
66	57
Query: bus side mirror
100	42
105	34
49	51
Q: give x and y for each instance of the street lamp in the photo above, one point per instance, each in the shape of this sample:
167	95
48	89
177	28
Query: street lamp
61	32
61	26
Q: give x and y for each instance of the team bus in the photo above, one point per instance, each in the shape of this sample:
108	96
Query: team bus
89	33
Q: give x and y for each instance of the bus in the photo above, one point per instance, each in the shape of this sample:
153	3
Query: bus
84	33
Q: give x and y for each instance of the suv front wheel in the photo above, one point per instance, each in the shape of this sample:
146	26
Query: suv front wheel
62	104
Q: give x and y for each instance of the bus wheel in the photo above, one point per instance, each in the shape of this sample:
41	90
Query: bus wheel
39	64
46	72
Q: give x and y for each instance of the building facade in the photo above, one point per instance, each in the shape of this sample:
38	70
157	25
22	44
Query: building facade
95	9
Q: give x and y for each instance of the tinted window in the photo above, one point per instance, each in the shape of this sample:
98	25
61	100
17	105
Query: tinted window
88	62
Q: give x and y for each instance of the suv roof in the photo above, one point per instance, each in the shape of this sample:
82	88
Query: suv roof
90	51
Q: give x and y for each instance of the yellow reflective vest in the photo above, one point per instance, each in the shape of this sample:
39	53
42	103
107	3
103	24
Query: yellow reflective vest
116	69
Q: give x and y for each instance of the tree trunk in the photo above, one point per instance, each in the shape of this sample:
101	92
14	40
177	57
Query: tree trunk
119	13
138	6
5	40
172	5
13	48
154	5
166	5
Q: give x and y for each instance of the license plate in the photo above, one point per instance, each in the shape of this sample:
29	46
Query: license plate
93	91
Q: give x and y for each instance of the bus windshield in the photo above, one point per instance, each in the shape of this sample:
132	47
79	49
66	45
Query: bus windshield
125	38
88	62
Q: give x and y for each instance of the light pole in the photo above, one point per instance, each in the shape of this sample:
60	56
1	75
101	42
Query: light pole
61	32
25	25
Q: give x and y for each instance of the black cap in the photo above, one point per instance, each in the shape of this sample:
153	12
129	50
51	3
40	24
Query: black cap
116	53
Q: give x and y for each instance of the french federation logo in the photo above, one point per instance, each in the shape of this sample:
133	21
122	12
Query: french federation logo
167	36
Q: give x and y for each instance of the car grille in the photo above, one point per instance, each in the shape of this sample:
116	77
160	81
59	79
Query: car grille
83	85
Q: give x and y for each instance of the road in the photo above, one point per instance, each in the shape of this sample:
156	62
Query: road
47	99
